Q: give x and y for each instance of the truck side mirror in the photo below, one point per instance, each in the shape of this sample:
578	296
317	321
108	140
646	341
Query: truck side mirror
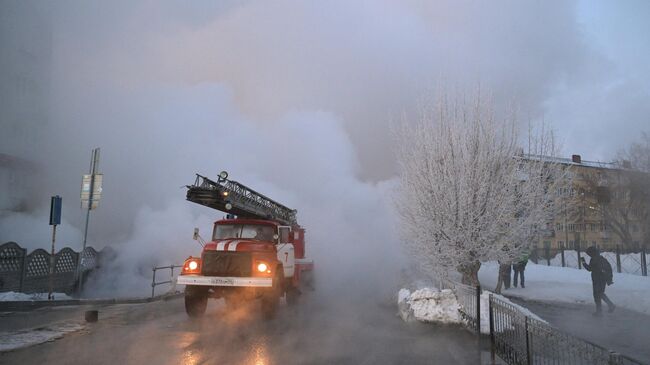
195	236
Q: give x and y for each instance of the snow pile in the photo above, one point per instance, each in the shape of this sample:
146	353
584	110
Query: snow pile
429	305
14	296
562	284
441	306
25	338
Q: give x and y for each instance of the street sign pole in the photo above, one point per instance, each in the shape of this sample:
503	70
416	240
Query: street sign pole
55	220
94	166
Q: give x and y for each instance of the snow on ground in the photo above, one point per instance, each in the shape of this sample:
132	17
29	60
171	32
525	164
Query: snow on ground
25	338
429	305
14	296
562	284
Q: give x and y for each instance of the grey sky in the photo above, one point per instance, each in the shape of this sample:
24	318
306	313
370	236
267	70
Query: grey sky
582	66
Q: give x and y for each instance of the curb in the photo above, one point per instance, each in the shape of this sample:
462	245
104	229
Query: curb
29	305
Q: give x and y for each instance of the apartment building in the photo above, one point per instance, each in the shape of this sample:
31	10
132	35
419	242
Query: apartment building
595	210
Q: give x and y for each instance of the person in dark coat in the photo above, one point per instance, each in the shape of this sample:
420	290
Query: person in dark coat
518	268
601	276
505	273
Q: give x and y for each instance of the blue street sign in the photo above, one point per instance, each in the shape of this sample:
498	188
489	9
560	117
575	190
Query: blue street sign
55	211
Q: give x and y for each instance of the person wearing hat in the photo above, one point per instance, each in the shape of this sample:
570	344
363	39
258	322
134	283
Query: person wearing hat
601	276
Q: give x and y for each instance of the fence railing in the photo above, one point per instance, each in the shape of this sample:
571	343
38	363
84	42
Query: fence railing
469	301
519	339
635	263
30	273
155	283
522	340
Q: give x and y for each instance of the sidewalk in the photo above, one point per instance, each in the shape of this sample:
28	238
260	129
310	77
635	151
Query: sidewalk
27	328
623	331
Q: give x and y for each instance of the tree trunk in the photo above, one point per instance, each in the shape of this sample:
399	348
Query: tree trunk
470	273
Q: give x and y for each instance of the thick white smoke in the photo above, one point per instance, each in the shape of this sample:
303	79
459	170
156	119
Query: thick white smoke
292	98
303	159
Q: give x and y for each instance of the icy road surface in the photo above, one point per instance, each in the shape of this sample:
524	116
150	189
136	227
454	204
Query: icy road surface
314	332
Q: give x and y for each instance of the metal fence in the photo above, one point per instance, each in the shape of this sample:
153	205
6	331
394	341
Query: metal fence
30	273
155	283
469	301
521	340
635	263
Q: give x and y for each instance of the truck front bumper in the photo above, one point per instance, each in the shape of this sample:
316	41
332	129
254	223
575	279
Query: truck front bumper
224	281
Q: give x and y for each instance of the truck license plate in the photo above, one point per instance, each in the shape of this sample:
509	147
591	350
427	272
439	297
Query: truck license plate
222	281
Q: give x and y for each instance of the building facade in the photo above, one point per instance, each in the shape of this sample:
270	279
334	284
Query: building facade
596	209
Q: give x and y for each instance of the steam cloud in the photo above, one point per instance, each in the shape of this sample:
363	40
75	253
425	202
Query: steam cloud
292	98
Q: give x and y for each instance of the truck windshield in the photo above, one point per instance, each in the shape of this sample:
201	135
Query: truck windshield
248	231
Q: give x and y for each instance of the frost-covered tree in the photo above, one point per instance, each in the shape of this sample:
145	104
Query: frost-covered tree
468	192
639	157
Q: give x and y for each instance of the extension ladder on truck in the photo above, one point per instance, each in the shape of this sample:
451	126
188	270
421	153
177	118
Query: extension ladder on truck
232	197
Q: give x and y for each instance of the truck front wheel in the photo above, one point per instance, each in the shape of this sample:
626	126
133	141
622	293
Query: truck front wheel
196	300
271	299
292	296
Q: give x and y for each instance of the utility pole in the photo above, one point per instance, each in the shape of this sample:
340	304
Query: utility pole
55	219
91	188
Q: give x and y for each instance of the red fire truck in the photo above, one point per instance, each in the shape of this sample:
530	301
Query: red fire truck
256	252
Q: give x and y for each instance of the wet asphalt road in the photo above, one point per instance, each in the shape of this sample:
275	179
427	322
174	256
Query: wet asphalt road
317	331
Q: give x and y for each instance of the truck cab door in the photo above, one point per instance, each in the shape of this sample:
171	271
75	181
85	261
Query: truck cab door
286	254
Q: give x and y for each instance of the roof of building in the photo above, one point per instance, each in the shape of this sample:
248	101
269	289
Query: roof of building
615	165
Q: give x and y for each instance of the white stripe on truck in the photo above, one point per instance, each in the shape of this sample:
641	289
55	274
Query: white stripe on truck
233	246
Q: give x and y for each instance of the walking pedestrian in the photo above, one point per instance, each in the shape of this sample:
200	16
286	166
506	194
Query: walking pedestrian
518	268
601	276
505	274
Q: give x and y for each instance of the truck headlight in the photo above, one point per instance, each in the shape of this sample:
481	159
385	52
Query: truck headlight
262	267
193	265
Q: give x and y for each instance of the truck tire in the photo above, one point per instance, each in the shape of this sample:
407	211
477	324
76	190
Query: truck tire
292	296
271	299
196	301
307	280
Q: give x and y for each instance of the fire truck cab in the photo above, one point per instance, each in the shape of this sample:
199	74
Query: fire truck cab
247	258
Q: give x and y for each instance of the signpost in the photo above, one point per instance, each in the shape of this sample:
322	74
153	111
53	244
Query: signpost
55	220
91	190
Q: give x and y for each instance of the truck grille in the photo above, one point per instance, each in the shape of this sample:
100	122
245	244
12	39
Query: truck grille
224	263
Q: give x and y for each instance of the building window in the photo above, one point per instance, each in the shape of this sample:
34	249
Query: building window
559	227
560	244
571	227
